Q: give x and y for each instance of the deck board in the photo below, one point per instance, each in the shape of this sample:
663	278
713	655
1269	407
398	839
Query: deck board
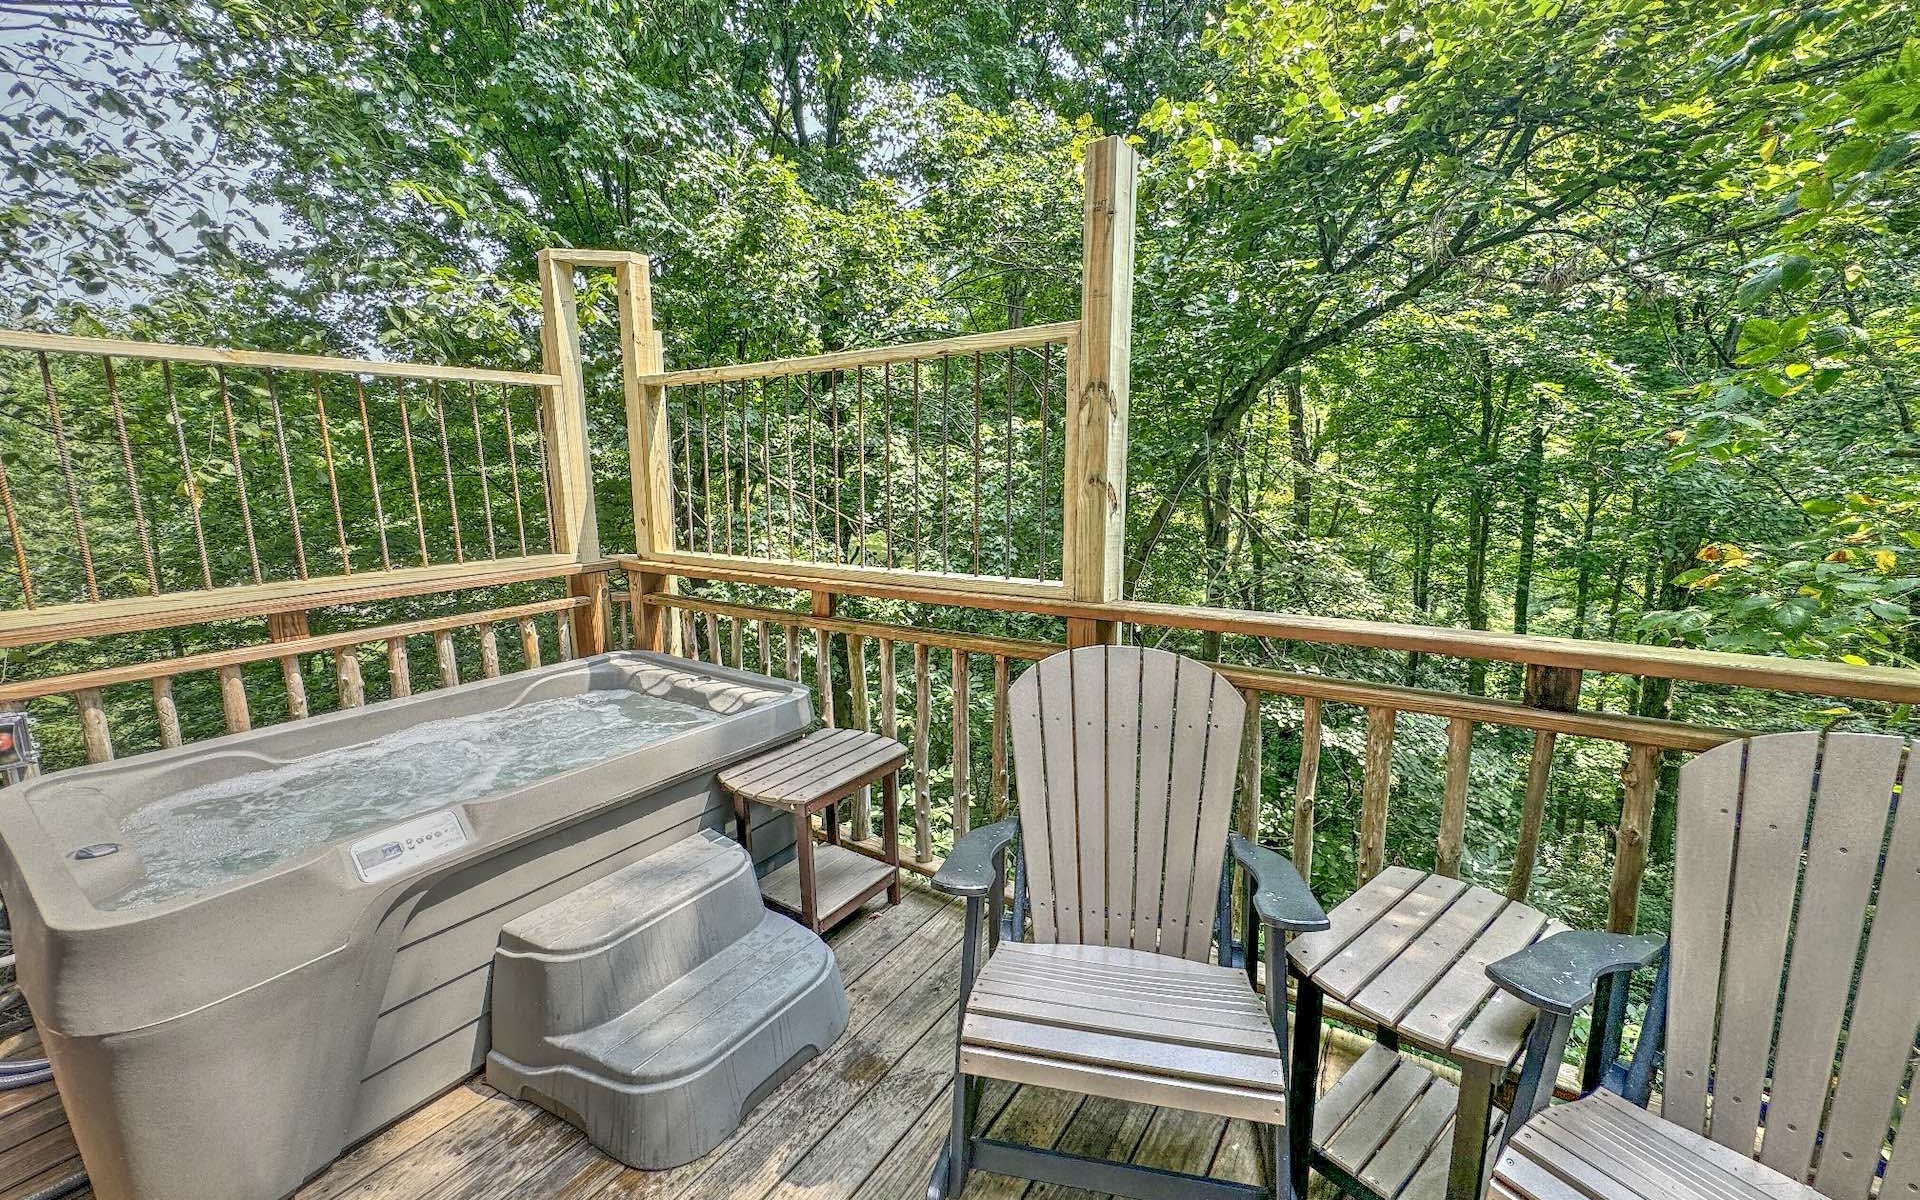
862	1122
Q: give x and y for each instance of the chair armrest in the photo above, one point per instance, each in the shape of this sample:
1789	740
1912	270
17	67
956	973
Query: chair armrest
1559	974
1282	898
975	867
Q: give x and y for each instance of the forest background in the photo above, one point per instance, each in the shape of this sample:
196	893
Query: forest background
1596	319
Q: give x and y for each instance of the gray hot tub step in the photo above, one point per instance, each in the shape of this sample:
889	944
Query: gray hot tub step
654	1008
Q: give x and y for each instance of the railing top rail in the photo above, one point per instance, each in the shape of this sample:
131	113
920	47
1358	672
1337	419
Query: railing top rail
1897	685
1613	727
61	343
1005	339
213	660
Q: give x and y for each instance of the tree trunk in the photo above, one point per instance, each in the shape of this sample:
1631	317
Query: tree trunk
1583	580
1303	457
1480	515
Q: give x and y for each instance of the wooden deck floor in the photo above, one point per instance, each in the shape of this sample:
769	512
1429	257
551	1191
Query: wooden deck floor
862	1121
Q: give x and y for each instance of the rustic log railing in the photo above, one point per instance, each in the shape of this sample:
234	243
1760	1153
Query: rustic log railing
801	645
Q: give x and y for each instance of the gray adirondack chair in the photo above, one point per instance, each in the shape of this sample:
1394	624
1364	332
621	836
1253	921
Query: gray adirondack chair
1125	760
1784	1018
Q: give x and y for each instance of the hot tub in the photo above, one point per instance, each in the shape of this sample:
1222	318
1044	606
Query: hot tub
247	954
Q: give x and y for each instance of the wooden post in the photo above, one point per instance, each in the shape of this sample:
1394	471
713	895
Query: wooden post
1642	778
93	725
1305	785
563	412
1376	787
1453	808
1095	491
233	700
164	710
289	627
1557	688
346	666
649	445
399	670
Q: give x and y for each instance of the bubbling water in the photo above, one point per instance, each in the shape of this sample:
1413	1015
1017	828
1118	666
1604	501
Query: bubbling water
205	836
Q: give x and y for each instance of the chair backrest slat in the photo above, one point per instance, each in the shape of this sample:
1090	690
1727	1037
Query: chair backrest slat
1703	835
1779	872
1767	845
1843	850
1880	1029
1125	763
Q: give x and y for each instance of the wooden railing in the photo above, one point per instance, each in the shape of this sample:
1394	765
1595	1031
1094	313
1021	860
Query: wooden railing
953	666
928	457
88	691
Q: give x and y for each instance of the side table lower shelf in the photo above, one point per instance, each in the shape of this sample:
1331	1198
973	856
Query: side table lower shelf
843	881
1388	1125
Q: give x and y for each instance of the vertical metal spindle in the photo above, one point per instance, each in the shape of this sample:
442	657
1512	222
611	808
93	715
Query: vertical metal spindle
133	480
945	496
706	466
766	462
813	469
480	459
686	462
373	474
286	476
68	477
976	462
916	464
13	535
886	455
1046	462
333	479
513	471
1011	393
860	442
239	473
413	472
837	515
726	470
446	465
187	475
786	410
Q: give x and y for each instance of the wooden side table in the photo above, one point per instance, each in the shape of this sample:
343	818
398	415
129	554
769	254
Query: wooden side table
823	885
1410	951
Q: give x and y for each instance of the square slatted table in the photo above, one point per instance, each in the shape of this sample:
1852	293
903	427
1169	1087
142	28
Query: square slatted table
1410	951
824	884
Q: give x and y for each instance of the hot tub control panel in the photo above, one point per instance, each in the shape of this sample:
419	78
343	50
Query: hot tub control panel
400	848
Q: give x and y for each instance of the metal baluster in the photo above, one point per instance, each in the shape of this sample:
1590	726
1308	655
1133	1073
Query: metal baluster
813	469
373	473
13	535
976	462
886	453
766	462
513	472
706	466
187	474
333	480
726	473
67	476
286	476
837	514
239	474
446	464
133	480
480	459
945	496
1046	462
916	465
413	472
860	442
1011	393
